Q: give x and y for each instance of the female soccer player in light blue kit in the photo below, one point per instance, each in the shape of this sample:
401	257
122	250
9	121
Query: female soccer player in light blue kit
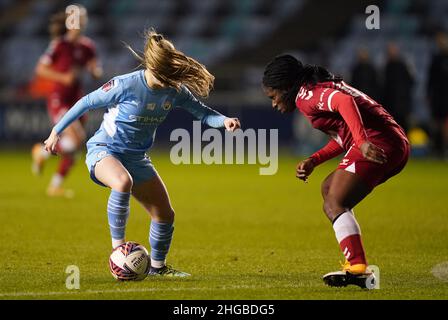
137	104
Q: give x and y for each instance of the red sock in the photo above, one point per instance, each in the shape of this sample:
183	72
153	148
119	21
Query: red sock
348	234
65	164
353	250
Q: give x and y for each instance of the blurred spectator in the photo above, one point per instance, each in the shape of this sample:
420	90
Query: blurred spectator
438	95
364	75
398	84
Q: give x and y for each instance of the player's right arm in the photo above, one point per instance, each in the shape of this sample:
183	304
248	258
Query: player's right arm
45	70
204	113
110	93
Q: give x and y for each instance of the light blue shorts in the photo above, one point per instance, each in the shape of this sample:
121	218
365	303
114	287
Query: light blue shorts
139	166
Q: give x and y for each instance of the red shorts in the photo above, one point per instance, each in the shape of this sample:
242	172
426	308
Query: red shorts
373	174
57	107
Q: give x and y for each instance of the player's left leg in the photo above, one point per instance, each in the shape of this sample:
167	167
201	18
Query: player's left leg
355	178
38	155
345	191
153	196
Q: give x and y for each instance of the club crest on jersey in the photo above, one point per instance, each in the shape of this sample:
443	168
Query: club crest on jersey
150	106
167	105
101	154
109	85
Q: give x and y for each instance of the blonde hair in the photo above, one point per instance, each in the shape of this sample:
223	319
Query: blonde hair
172	67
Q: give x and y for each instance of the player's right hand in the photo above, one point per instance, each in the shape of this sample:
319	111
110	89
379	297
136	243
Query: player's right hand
50	143
304	169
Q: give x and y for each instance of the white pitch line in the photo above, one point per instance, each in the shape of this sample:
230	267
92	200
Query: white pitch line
136	290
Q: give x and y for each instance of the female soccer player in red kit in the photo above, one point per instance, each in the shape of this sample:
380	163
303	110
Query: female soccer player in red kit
68	54
375	146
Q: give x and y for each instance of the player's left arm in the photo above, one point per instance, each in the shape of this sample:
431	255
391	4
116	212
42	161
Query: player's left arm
346	106
94	68
92	64
204	113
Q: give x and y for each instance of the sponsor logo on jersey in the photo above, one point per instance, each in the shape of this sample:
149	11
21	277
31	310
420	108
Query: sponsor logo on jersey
109	85
146	120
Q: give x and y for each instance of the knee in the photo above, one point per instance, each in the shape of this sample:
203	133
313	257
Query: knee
163	214
332	207
123	182
170	215
324	189
325	186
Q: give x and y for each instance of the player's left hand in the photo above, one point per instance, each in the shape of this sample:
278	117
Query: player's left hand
373	153
232	124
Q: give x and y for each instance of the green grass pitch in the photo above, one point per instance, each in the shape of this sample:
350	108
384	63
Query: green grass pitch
241	235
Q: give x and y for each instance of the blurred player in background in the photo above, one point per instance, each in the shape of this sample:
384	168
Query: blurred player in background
137	104
437	94
376	148
69	53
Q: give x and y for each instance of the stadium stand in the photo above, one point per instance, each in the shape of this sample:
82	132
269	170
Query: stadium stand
209	31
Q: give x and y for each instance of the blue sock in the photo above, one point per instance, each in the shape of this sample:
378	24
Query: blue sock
118	213
160	235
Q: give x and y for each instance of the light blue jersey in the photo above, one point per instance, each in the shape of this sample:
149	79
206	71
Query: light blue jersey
129	126
135	111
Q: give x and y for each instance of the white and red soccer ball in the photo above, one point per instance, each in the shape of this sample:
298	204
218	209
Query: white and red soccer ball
129	261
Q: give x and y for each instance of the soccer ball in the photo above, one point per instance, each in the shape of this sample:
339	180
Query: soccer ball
129	261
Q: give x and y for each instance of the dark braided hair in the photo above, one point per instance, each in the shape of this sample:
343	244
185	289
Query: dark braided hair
288	74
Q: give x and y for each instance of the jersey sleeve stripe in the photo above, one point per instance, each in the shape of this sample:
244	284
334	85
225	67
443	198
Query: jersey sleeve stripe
299	94
329	100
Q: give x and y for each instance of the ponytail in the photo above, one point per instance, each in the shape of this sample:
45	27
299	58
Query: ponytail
172	67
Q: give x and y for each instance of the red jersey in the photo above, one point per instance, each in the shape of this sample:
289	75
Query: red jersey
346	114
63	56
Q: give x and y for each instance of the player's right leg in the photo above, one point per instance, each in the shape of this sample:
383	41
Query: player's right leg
110	172
341	191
